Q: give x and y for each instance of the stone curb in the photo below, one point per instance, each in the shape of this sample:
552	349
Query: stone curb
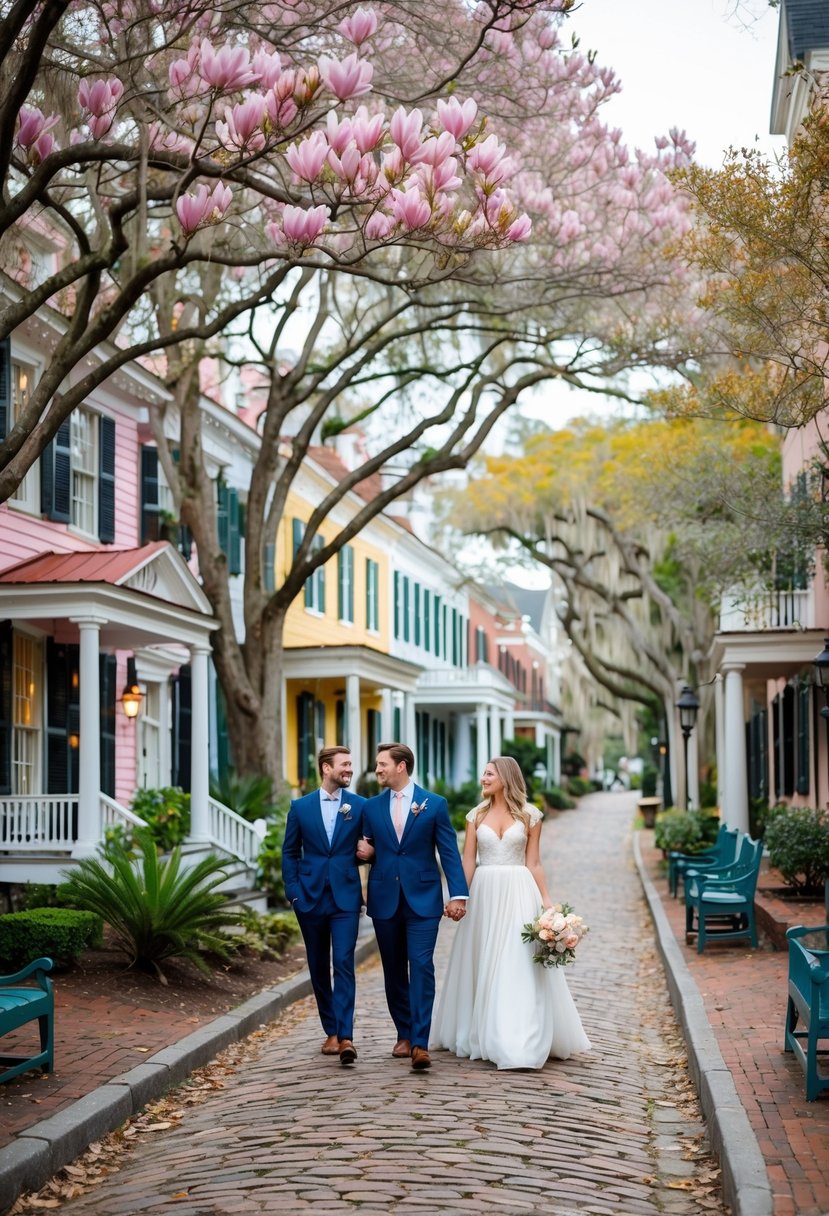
41	1150
746	1187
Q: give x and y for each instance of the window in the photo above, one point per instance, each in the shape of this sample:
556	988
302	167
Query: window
28	681
77	483
398	603
83	446
372	595
406	609
315	583
27	494
158	508
481	645
345	584
417	614
229	526
437	632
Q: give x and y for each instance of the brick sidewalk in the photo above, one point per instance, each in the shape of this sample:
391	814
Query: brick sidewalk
613	1132
744	991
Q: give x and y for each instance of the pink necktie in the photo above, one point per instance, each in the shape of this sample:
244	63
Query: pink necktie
398	813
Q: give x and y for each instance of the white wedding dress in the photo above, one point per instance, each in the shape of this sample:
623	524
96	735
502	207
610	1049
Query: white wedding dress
496	1003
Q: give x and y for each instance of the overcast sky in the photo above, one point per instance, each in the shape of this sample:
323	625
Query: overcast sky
692	64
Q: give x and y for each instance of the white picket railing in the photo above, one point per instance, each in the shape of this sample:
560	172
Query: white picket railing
44	823
750	612
233	834
113	814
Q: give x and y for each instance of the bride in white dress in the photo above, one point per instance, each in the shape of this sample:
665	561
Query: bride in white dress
496	1003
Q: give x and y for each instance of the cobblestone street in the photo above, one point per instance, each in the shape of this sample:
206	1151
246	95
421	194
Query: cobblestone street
616	1131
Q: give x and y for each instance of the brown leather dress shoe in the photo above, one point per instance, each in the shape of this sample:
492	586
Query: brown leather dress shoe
402	1049
420	1059
331	1046
348	1052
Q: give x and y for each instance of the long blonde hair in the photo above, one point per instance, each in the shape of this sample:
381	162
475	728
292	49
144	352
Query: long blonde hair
515	791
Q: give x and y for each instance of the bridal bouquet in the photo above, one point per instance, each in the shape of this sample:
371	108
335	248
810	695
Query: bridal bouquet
555	933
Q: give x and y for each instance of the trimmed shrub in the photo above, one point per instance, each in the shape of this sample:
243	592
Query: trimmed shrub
555	799
167	814
270	935
797	838
579	786
685	831
156	909
650	777
61	934
269	858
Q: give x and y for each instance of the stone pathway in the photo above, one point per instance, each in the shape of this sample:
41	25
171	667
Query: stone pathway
615	1132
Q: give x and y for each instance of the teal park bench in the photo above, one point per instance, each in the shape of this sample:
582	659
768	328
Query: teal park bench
722	853
719	903
19	1005
809	1003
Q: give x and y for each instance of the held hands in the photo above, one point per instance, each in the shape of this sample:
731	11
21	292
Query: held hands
365	849
455	909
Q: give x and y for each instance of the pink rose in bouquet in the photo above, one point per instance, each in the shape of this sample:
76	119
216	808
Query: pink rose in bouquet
556	932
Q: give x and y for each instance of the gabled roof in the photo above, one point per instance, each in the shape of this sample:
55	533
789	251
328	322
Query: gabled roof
331	462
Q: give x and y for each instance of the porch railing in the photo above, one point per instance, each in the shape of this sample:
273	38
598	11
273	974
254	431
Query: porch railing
41	822
233	834
747	612
113	815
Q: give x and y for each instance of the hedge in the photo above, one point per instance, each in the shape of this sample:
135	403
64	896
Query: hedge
57	933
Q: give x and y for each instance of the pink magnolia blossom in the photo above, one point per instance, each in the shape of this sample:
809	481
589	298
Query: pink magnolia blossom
165	140
405	129
378	226
366	131
349	78
359	26
457	118
410	208
307	158
183	74
99	100
227	69
204	207
304	226
268	67
281	106
435	149
346	166
243	126
32	128
338	132
440	177
490	160
520	229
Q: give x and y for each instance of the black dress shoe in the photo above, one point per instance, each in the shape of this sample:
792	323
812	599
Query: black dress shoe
348	1052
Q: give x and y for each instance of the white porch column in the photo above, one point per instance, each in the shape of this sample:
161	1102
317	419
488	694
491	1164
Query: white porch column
693	770
408	722
495	731
463	750
719	733
199	751
386	719
509	725
482	748
735	806
353	738
283	697
89	744
539	734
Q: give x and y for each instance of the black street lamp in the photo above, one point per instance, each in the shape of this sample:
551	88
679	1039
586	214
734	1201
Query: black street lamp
688	706
821	666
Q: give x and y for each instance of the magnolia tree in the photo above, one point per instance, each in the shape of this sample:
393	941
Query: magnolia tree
439	213
645	526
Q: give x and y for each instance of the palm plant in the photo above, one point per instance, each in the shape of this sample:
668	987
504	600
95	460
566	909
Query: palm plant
156	909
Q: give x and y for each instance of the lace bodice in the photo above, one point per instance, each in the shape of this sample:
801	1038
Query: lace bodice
508	850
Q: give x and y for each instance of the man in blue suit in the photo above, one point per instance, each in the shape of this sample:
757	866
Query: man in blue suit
406	824
322	881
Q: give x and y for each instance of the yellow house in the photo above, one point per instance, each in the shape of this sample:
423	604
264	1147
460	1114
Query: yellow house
339	678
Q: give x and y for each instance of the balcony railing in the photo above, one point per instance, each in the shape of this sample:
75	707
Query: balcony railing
749	612
38	823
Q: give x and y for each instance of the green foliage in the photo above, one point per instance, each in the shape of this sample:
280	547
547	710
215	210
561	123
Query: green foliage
555	799
167	814
685	831
61	934
579	786
650	776
460	800
156	909
572	764
797	838
269	860
38	895
526	753
248	794
270	935
366	786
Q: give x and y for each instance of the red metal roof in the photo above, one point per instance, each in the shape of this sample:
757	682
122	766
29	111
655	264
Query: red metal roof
368	489
112	566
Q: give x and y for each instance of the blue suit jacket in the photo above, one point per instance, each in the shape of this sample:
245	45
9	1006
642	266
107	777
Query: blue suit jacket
309	861
409	865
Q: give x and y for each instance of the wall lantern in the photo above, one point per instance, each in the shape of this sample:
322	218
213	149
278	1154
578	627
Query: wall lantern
132	696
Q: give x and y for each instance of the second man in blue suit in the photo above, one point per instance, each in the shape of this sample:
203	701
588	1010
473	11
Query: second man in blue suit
322	880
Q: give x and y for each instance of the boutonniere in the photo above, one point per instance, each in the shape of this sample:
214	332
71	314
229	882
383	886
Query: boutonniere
417	808
345	811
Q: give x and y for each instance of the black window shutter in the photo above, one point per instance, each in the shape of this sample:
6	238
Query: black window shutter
6	706
224	757
234	523
106	480
108	704
5	386
269	567
56	476
150	529
182	715
223	517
